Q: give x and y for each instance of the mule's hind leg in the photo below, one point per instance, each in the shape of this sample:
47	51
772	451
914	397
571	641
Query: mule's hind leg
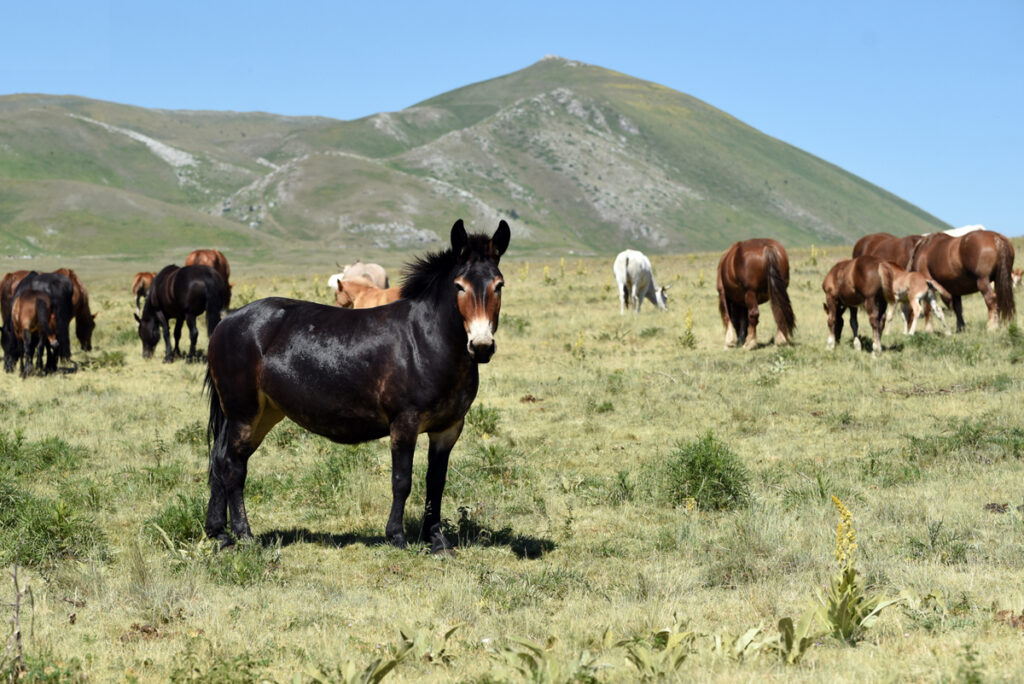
441	444
403	443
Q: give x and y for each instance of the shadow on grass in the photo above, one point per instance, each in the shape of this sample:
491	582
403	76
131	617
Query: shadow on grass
464	534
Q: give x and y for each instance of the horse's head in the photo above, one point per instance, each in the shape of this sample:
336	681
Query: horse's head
84	325
478	284
149	332
661	297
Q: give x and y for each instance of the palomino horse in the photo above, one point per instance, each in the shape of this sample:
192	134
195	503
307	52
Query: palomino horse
33	322
981	261
60	291
140	287
216	260
374	273
887	247
916	294
360	294
354	375
753	272
85	320
182	294
873	283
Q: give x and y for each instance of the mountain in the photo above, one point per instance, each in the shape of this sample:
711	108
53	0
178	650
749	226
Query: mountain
575	156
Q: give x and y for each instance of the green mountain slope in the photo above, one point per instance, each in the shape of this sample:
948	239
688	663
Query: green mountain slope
576	157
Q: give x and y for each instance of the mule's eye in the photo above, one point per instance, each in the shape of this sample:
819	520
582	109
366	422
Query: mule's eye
458	287
497	288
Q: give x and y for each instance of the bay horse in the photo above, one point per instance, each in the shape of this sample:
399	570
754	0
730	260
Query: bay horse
752	272
85	320
33	322
353	375
182	294
980	261
216	260
140	287
60	291
360	294
888	247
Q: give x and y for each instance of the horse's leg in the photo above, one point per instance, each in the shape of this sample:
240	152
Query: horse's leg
752	317
636	298
193	335
958	309
932	304
441	444
623	298
403	444
835	322
987	291
875	310
854	327
178	322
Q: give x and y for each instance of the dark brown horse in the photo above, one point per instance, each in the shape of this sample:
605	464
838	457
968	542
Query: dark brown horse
888	247
33	322
354	375
753	272
981	261
181	294
216	260
140	287
85	320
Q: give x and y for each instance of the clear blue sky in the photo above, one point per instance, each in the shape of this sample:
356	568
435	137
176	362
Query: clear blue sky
925	99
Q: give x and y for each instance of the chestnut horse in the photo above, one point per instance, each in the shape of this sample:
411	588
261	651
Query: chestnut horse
32	321
981	261
888	247
140	287
60	292
85	320
8	341
753	272
360	294
182	294
354	375
216	260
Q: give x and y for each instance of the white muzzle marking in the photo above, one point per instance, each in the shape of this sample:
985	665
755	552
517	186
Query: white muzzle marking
479	333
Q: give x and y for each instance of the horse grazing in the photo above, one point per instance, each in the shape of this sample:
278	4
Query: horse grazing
216	260
635	279
354	375
182	294
33	322
916	294
888	247
58	288
140	287
360	294
980	261
374	273
85	320
8	341
753	272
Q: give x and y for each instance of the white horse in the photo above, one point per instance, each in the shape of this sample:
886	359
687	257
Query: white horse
635	279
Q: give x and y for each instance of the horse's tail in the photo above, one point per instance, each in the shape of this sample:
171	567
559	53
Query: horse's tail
217	299
1004	279
777	294
43	320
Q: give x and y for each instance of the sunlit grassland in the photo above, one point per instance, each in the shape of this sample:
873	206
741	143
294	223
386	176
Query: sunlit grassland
557	494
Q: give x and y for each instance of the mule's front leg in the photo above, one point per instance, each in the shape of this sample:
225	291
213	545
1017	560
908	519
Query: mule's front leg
403	444
441	444
193	335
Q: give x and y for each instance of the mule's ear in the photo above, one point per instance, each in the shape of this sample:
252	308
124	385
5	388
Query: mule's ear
459	237
137	319
501	237
95	315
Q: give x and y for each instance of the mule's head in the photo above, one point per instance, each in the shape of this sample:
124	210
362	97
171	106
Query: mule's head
478	284
149	333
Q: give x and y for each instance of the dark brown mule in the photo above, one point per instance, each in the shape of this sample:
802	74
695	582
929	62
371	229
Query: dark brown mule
85	319
866	281
140	287
33	322
888	247
216	260
353	375
753	272
981	261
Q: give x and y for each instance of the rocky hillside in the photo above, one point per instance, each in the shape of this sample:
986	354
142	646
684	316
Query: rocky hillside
575	156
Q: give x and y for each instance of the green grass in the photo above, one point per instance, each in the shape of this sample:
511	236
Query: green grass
567	496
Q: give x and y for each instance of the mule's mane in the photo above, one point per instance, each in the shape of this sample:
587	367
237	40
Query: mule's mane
428	275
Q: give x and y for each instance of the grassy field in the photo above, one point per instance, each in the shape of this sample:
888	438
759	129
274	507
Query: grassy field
629	500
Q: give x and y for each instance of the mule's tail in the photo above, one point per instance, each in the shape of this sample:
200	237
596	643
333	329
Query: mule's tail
777	294
1004	279
216	427
217	298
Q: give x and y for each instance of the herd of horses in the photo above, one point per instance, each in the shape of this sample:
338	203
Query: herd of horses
360	370
914	272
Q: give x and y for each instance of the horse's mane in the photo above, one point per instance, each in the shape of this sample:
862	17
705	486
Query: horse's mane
427	276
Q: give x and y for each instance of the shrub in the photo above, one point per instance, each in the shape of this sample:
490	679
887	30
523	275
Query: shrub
707	472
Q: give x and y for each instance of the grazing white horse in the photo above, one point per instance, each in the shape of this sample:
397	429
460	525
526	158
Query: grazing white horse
636	281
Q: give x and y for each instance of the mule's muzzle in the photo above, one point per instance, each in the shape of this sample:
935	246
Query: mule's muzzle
482	352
